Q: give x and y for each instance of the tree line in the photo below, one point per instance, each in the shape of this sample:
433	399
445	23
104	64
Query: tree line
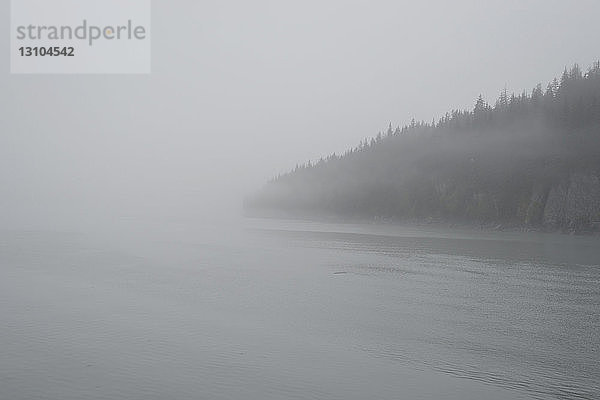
483	164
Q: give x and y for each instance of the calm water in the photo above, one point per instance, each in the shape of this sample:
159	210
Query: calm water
290	310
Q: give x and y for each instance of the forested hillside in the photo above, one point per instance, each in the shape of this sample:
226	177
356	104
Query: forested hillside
530	159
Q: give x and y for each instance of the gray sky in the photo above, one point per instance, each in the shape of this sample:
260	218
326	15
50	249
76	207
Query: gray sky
243	90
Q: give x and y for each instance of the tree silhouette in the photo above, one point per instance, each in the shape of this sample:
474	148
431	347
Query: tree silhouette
489	164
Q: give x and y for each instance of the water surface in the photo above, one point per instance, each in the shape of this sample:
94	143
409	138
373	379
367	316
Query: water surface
280	309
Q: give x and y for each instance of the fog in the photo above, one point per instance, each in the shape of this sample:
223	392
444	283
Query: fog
430	261
242	91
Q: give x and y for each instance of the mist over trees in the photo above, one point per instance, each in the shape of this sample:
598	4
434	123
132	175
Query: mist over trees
528	159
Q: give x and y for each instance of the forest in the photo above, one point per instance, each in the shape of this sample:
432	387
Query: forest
528	160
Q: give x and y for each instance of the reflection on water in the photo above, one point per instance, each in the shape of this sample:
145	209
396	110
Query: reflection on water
514	313
294	310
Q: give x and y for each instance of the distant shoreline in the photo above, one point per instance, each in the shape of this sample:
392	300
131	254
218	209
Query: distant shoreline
421	223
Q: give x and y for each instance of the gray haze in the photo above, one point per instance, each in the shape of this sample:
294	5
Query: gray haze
241	91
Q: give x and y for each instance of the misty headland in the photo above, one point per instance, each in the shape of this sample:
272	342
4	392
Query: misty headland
529	160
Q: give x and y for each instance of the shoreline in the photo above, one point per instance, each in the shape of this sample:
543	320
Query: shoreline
488	227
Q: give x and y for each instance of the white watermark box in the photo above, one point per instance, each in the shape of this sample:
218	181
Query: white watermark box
80	36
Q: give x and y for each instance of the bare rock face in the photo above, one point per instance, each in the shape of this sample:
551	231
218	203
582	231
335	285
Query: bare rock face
574	204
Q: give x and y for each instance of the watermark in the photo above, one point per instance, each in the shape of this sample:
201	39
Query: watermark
80	36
